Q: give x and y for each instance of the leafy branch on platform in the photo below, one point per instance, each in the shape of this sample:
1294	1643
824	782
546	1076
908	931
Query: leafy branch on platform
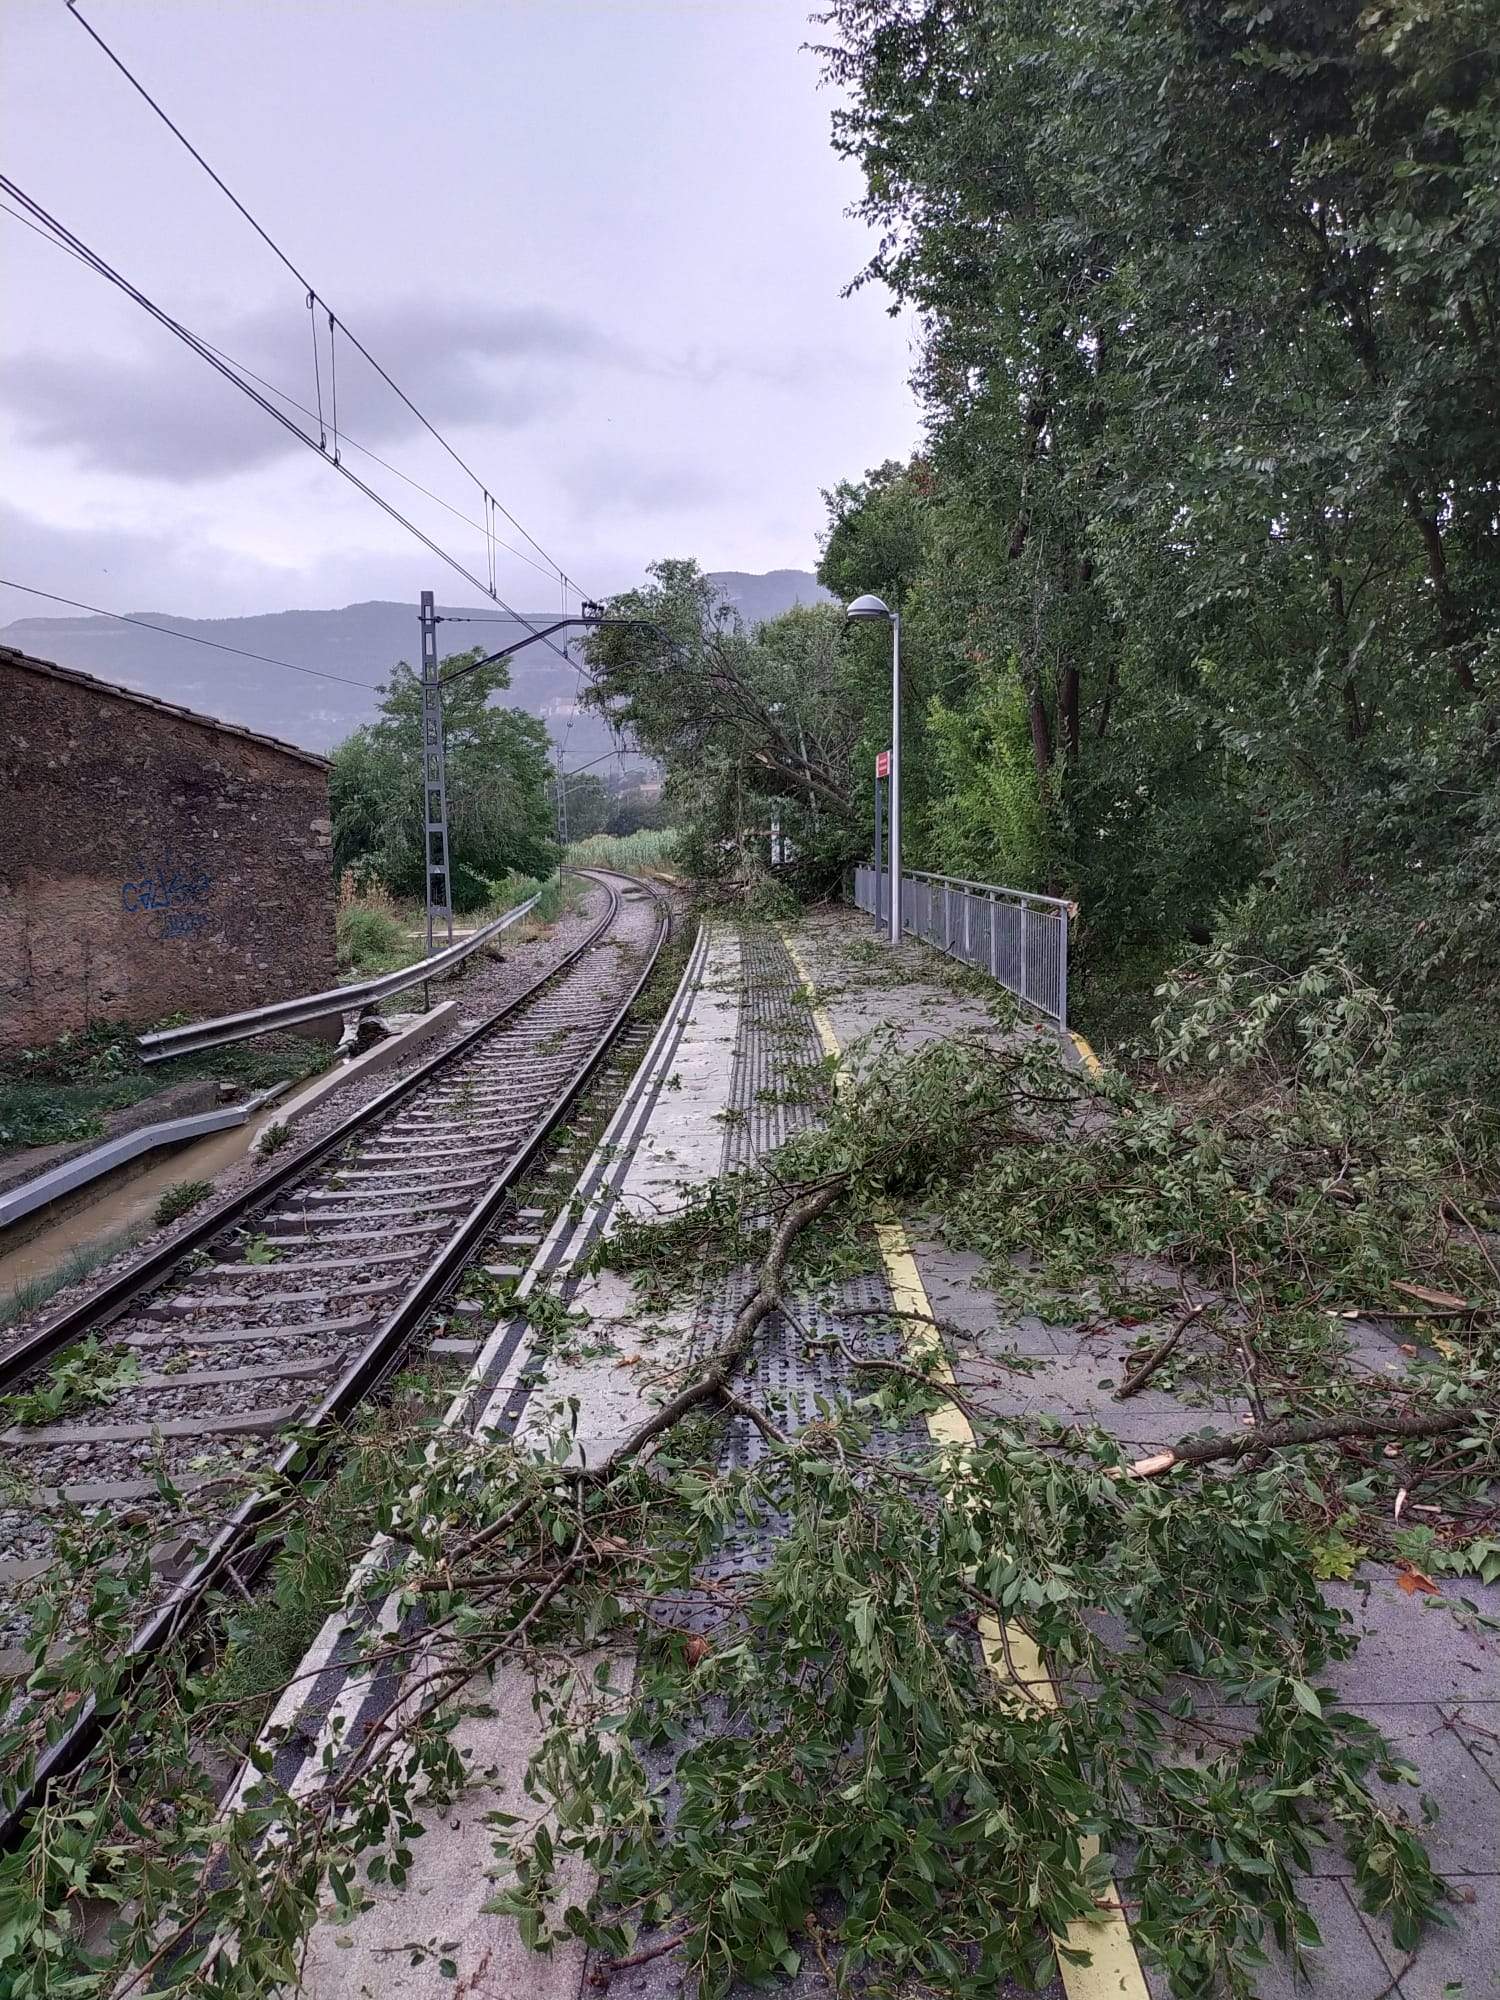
853	1779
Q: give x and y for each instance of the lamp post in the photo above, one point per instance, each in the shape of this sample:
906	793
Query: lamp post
864	608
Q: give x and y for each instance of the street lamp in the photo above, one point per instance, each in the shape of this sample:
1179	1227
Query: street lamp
870	607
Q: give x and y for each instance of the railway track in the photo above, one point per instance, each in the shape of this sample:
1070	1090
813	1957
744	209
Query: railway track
257	1333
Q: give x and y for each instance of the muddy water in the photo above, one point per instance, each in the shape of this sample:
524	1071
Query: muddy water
129	1202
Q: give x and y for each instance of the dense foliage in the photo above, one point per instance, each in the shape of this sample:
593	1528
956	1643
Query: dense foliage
749	724
1199	565
500	816
1212	299
595	806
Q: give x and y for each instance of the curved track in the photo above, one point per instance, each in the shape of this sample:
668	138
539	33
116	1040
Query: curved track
286	1305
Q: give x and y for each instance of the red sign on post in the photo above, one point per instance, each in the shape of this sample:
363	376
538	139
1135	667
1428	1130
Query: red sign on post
883	764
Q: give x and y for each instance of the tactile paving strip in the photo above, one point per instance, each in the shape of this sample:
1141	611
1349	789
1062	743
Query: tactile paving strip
794	1372
775	1050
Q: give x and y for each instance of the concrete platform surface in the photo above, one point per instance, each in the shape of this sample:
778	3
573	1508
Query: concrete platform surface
1429	1680
1431	1683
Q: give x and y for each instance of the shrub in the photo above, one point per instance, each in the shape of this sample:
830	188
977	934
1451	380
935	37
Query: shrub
372	936
178	1199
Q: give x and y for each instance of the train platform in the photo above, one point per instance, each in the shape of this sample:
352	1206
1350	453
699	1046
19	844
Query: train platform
758	1007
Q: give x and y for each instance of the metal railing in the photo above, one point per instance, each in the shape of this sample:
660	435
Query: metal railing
354	999
1019	939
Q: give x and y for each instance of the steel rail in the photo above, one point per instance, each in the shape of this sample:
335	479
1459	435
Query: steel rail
109	1300
162	1043
365	1374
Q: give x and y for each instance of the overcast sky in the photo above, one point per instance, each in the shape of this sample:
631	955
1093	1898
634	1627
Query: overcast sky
601	243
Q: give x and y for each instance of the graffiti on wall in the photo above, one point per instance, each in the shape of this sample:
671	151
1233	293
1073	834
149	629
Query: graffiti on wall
170	897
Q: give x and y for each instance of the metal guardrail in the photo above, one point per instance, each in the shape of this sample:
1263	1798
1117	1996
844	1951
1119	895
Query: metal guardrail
354	999
1019	939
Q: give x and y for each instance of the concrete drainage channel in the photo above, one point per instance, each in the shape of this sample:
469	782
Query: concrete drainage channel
274	1311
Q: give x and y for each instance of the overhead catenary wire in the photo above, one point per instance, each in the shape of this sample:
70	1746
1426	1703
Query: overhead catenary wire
302	279
565	777
341	437
193	638
104	269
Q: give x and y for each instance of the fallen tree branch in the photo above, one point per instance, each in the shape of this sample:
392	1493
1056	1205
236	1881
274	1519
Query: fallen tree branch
1430	1312
1479	1243
1156	1357
651	1951
925	1381
1301	1430
713	1384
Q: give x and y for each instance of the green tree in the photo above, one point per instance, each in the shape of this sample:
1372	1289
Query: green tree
589	803
1211	299
738	718
637	811
500	815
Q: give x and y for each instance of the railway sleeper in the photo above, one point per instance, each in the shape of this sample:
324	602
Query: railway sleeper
422	1200
226	1423
305	1329
121	1492
240	1269
335	1235
455	1148
182	1307
268	1371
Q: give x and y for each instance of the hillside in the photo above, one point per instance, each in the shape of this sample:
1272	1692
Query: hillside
360	641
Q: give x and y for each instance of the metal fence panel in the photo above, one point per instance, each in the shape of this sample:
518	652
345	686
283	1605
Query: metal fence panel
1019	939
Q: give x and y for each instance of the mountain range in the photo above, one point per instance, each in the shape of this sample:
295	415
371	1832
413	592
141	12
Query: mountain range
360	643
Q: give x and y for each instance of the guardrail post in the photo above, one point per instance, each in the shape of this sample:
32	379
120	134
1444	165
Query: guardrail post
1025	951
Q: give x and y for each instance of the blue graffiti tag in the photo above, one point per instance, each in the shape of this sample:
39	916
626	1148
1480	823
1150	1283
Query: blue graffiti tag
171	895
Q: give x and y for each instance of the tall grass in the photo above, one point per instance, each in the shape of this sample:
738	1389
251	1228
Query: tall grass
372	939
505	896
651	847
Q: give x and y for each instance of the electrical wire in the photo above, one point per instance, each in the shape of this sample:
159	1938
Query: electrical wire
341	437
305	282
124	618
578	769
105	270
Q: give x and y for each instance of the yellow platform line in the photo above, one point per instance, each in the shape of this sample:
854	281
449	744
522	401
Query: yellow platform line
1010	1652
1085	1054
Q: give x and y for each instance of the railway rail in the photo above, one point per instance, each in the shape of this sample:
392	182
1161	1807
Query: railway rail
255	1334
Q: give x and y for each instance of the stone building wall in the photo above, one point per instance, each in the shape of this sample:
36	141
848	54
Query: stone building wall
151	861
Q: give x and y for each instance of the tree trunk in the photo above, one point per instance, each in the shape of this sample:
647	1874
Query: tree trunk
1041	732
1067	711
1035	420
1450	622
1111	682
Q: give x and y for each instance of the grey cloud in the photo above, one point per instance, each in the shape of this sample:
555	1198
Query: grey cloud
178	573
608	481
166	414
